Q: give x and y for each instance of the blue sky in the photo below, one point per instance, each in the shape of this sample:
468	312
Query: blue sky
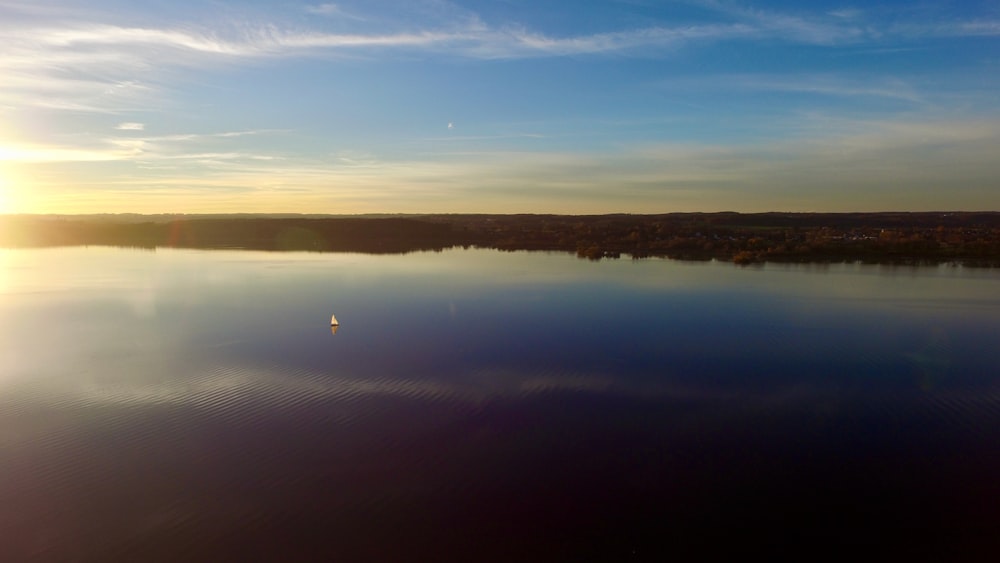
498	106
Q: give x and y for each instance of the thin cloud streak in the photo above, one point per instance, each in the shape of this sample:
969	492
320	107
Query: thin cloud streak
49	154
115	35
465	138
328	9
824	84
958	29
131	148
833	29
182	137
513	43
476	41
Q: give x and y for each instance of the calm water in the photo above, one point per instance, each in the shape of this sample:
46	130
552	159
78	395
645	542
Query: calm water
478	406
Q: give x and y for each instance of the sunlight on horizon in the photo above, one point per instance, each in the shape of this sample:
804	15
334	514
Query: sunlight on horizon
15	187
11	190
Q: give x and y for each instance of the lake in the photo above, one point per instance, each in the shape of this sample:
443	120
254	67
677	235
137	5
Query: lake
476	405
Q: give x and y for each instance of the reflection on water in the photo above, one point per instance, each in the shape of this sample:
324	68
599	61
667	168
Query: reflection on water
187	405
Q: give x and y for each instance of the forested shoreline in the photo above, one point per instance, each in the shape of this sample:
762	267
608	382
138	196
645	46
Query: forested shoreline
970	238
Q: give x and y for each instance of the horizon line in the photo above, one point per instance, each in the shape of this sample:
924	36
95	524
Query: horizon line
418	214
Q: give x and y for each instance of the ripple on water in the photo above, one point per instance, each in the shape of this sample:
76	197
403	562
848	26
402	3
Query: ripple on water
230	460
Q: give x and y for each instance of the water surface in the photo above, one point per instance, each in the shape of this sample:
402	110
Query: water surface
477	405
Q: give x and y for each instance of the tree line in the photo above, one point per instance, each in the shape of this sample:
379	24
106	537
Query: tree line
969	238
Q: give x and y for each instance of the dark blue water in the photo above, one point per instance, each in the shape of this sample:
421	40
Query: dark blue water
486	406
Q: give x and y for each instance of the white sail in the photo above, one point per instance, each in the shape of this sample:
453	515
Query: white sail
333	320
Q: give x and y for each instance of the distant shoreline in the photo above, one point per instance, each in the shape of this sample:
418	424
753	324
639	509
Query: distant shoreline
968	238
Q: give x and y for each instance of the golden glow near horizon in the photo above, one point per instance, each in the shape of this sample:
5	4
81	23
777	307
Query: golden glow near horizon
15	190
11	183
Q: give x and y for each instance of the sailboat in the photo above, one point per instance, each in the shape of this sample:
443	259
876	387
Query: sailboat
333	320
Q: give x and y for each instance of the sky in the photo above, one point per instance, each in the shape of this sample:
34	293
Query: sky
498	106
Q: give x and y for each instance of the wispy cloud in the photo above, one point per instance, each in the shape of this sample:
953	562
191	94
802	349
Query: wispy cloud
26	44
472	38
834	28
135	148
211	149
846	13
332	10
29	153
327	9
104	68
838	85
81	66
519	42
185	137
968	28
466	138
203	42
